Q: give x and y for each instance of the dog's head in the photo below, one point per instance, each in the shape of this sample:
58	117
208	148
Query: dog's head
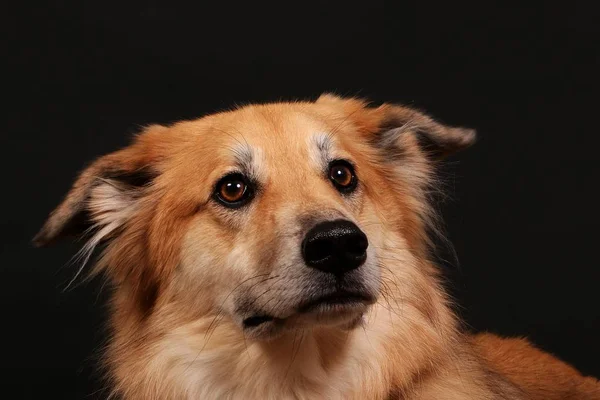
276	216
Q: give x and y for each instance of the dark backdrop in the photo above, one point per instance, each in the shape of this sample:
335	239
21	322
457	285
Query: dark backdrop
82	77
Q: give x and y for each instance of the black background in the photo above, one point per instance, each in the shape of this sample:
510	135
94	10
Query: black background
524	217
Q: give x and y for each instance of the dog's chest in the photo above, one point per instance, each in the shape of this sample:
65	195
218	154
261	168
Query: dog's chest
246	373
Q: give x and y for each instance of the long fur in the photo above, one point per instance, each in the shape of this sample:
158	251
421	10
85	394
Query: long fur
186	272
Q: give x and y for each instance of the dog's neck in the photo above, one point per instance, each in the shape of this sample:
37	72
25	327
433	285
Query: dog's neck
205	359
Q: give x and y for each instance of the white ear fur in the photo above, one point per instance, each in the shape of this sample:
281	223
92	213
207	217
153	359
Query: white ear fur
111	204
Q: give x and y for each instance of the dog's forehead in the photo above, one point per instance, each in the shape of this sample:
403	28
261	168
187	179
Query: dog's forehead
285	140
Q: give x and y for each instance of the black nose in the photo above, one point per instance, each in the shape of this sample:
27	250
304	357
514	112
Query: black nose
335	246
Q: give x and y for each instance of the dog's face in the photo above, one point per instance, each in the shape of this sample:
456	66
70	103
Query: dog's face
277	217
285	234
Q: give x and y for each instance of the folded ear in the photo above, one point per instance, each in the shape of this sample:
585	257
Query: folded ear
435	140
104	195
395	127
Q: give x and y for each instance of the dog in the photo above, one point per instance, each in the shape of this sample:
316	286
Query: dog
283	251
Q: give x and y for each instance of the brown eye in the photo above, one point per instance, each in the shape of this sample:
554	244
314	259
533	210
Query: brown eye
233	190
342	176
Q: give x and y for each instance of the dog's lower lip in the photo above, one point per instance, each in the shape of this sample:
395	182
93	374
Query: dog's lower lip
257	320
337	298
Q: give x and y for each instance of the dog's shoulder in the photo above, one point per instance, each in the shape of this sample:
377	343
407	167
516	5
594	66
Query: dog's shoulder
539	374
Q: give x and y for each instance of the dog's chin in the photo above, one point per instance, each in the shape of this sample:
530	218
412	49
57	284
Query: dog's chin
342	311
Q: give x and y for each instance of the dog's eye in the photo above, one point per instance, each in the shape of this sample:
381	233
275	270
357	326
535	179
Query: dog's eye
233	190
342	176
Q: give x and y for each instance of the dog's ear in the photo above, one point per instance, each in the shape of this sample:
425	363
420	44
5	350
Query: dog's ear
400	127
396	129
105	194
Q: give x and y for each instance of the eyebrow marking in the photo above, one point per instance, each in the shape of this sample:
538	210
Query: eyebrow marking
324	145
244	156
249	160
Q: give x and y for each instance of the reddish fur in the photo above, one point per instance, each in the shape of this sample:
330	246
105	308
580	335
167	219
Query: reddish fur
152	301
541	375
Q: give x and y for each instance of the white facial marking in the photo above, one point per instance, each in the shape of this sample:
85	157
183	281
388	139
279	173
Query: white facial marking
320	149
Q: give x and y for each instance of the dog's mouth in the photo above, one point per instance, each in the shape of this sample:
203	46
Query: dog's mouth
257	320
341	305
